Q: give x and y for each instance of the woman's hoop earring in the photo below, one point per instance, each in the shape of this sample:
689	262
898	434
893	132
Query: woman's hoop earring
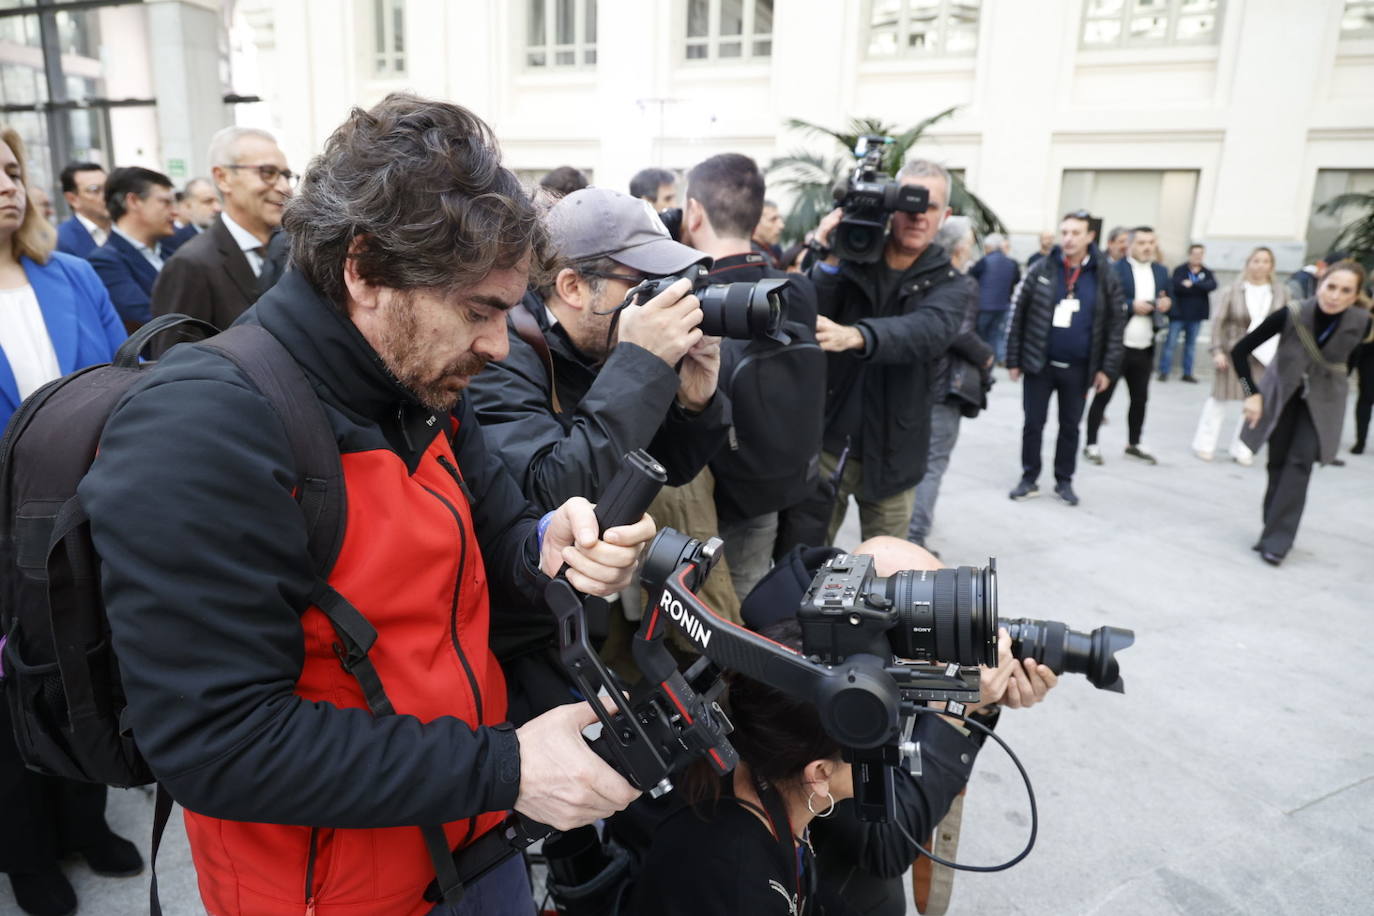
827	812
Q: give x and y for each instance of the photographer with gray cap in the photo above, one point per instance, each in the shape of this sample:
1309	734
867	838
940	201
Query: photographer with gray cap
585	383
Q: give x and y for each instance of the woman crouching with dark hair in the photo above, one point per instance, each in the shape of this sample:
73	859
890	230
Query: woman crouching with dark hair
743	844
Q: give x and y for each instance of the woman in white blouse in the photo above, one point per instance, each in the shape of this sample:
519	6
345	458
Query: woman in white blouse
55	318
55	315
1243	305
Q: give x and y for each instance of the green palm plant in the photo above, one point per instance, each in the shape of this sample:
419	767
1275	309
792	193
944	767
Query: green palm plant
812	177
1357	236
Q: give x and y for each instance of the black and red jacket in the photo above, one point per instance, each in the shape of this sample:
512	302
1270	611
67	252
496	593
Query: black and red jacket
294	791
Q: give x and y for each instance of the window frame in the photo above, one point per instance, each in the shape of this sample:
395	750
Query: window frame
387	62
904	50
712	40
1361	34
1173	13
581	47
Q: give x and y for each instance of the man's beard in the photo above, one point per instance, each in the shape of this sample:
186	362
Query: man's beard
402	351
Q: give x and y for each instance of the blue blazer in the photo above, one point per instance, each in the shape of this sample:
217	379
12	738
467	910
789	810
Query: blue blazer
73	238
128	276
1163	284
82	323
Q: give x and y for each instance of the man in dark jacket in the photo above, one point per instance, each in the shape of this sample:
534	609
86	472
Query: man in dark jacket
997	276
235	693
765	467
615	386
883	325
1066	339
1193	283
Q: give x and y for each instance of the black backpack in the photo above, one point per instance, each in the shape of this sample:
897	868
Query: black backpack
57	665
58	669
771	458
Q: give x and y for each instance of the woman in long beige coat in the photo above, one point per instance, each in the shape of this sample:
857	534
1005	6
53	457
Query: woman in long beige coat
1243	305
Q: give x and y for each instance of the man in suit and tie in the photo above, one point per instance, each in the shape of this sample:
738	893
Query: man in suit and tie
218	274
141	203
83	186
197	208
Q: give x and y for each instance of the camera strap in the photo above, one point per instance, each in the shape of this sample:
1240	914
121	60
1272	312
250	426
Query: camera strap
531	333
798	854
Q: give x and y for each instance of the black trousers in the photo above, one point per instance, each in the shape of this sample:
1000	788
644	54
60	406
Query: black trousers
1293	449
1364	401
1136	367
1070	384
42	818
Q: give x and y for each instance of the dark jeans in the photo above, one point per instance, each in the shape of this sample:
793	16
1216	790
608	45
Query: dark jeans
1070	384
1364	401
1293	449
992	328
44	817
1136	367
504	891
1189	331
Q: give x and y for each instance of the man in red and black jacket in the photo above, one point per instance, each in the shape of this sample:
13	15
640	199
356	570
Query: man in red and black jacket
410	242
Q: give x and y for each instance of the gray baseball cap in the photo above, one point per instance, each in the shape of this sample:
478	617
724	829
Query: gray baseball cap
601	223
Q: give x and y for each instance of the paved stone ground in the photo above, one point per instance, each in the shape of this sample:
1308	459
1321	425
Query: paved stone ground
1235	776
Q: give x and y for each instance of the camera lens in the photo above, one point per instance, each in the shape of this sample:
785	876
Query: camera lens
1054	645
945	615
742	311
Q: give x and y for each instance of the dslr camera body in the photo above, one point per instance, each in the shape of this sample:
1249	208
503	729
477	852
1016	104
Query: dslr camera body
869	199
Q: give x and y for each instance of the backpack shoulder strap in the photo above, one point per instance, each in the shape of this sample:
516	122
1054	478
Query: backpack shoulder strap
531	333
280	379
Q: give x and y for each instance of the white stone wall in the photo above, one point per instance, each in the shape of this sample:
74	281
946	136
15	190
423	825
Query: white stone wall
1255	115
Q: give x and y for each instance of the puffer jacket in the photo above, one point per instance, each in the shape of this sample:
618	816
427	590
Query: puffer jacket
1028	334
297	799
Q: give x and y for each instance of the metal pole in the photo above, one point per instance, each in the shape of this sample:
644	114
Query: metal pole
59	118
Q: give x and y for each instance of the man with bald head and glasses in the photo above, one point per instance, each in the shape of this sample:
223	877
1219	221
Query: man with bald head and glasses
221	272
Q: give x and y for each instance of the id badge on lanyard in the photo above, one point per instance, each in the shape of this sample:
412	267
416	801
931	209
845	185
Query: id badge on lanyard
1064	312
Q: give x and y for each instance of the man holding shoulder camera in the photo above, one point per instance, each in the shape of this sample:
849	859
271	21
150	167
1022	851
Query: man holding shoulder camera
883	325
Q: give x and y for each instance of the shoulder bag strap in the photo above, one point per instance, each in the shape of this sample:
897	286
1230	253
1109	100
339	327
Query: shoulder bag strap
531	333
1310	345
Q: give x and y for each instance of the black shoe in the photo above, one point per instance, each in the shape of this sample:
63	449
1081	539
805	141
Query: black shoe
1026	489
44	893
1190	380
1337	462
1136	451
1256	547
113	857
1162	377
1065	492
1357	448
1273	559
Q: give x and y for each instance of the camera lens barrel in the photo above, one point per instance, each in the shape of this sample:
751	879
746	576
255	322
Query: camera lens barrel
741	311
1062	650
946	615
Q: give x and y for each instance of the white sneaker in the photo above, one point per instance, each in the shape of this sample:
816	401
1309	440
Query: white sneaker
1243	460
1205	456
1093	453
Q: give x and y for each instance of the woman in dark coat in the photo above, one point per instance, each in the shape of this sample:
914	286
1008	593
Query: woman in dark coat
1299	407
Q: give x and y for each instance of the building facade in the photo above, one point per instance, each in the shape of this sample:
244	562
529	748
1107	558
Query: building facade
1225	121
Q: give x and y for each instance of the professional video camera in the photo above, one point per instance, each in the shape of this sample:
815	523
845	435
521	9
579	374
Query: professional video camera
873	651
869	199
743	311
